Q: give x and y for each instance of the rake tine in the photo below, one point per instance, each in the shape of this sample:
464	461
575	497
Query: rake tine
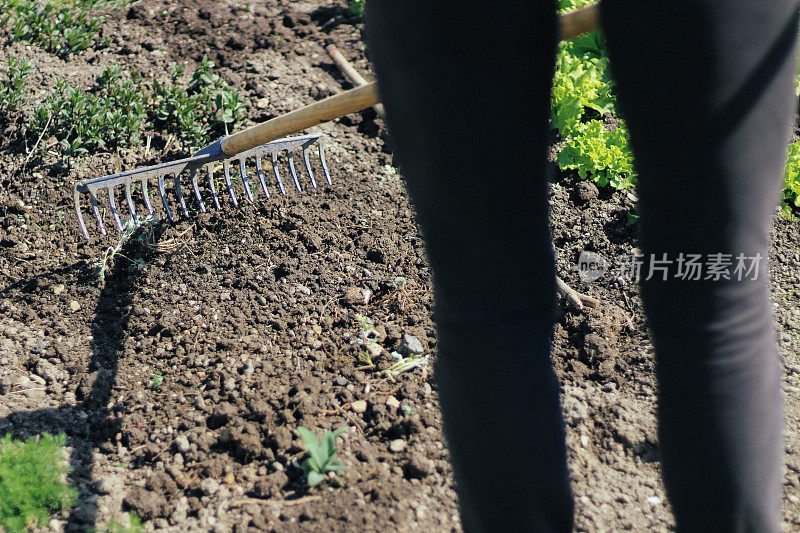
277	175
324	164
146	195
179	192
81	223
226	167
195	171
260	171
294	172
129	201
308	167
211	184
164	198
96	211
243	173
113	204
190	169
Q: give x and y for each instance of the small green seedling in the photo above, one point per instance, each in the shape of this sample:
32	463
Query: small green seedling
128	229
156	380
367	333
322	455
32	481
365	323
406	364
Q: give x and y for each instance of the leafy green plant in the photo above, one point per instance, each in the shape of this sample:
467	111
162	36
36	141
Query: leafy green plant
600	154
633	216
111	117
582	82
571	5
356	7
321	455
60	29
194	112
32	481
583	92
791	190
12	90
113	113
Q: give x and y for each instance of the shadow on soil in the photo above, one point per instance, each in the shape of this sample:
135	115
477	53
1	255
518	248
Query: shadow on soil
89	425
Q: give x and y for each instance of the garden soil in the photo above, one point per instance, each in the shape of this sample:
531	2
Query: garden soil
181	377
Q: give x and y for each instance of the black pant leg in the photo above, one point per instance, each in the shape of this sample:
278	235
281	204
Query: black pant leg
466	87
707	90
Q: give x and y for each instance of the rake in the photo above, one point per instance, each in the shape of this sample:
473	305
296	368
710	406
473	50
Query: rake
259	142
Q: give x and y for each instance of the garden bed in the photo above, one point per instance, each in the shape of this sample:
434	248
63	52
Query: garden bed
181	378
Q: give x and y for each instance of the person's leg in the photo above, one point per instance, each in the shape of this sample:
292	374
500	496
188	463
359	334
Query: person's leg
466	87
707	90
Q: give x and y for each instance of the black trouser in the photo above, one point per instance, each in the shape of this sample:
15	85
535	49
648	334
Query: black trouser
707	91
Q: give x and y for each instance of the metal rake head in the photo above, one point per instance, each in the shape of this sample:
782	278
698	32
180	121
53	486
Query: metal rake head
192	168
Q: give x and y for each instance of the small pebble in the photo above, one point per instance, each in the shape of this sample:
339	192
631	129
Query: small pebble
356	296
419	467
229	479
301	289
359	406
374	349
392	402
74	305
410	346
587	191
209	485
182	444
397	445
58	289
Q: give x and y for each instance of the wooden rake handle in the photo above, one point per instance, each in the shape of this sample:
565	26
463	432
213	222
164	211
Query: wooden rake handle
572	24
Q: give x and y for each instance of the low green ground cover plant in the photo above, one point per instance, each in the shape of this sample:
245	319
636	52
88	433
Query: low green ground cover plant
109	117
32	481
196	110
321	455
58	28
14	85
116	111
